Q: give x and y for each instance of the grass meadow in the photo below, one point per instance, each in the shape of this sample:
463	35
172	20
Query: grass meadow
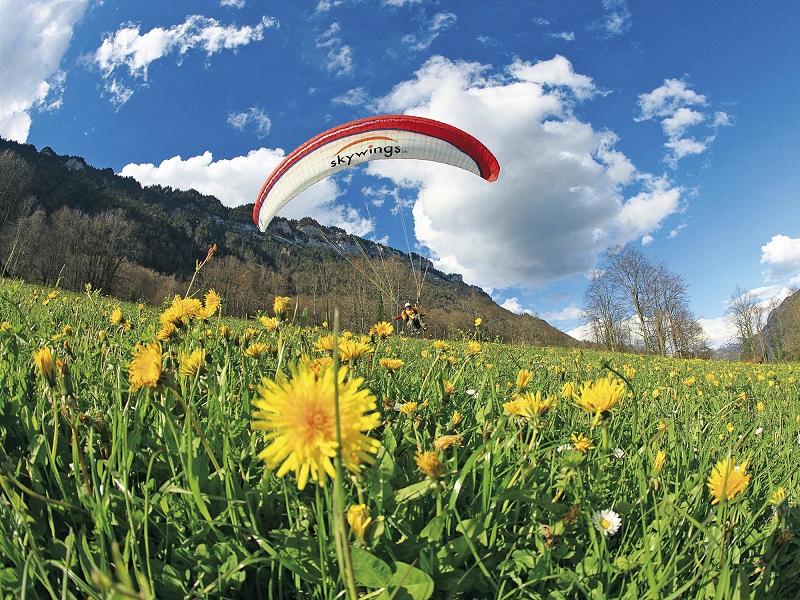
173	453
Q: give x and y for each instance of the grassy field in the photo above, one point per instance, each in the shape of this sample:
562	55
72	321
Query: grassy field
175	454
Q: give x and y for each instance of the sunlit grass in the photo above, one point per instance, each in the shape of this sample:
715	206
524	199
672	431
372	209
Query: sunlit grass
493	471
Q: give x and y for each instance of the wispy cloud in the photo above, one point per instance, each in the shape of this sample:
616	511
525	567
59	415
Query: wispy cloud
129	52
339	59
252	117
617	18
432	29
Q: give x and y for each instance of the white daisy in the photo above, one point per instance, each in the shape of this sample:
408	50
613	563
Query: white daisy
606	522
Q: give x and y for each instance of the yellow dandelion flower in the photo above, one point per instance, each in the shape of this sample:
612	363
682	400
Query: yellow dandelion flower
760	406
473	348
391	364
447	441
325	343
52	295
658	463
430	464
212	302
5	326
689	381
359	519
116	317
351	349
523	379
191	364
599	396
581	443
778	497
298	416
449	388
145	368
727	480
256	350
166	332
43	357
662	426
513	407
729	427
532	405
567	390
408	408
382	330
478	322
456	418
280	305
269	323
442	346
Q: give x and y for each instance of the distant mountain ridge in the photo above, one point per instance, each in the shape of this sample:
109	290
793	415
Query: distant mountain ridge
62	220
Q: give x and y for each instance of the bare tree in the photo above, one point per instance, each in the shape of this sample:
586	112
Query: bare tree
604	310
746	313
630	271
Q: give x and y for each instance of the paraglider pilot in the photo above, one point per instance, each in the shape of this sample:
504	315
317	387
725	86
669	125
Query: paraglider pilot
412	317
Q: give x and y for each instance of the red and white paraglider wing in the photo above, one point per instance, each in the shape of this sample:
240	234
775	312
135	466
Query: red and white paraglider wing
375	138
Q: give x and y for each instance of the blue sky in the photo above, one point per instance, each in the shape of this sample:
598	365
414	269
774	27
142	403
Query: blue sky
669	125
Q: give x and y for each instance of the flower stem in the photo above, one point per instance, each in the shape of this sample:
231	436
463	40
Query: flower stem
339	527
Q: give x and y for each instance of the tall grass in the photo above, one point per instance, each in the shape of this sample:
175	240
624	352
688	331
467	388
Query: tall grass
107	492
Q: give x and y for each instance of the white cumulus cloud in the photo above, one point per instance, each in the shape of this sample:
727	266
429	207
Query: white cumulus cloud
677	108
783	253
35	36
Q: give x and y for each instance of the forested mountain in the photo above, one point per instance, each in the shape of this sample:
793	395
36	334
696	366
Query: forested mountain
66	223
782	331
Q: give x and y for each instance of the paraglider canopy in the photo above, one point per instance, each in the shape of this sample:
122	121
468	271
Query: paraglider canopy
374	138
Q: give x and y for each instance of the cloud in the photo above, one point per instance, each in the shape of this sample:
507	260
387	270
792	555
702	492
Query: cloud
782	250
783	253
354	97
671	103
567	36
340	56
36	34
570	313
253	116
127	49
718	332
233	3
674	233
617	20
433	28
514	306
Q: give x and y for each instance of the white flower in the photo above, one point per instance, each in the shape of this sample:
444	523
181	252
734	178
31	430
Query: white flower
759	431
563	447
619	453
471	392
606	522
